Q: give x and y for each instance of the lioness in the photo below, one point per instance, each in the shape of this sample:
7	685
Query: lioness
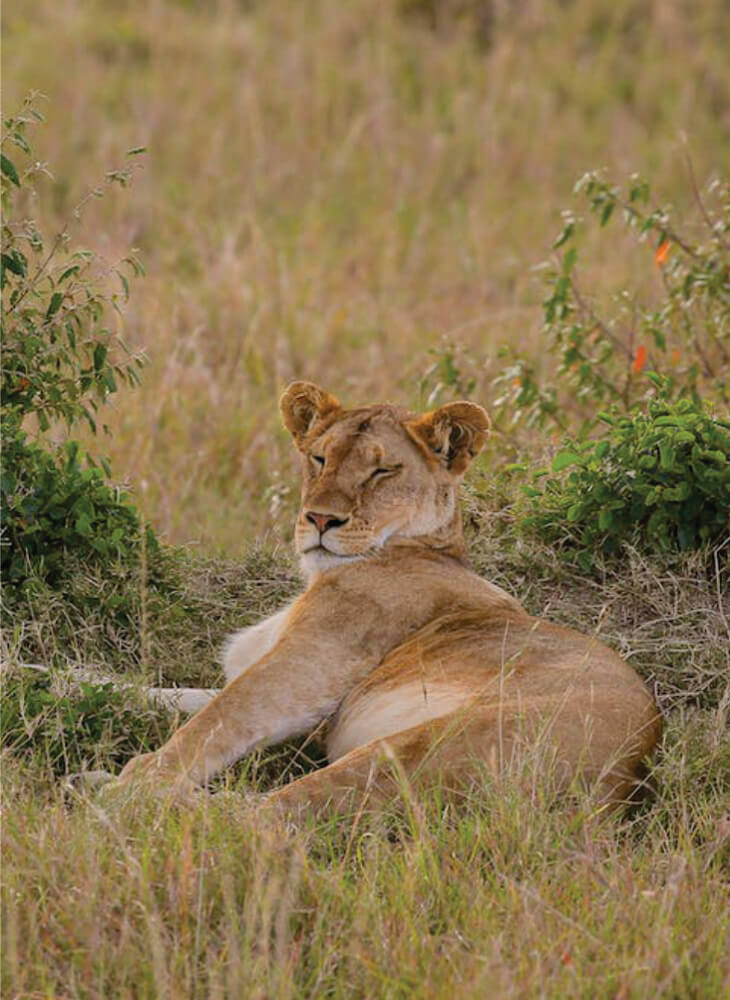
418	665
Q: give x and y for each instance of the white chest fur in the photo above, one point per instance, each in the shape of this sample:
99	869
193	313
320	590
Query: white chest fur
244	648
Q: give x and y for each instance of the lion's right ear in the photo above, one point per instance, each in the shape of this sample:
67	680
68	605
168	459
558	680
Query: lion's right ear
302	405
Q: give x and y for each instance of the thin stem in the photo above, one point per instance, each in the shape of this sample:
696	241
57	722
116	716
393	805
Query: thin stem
670	233
597	321
700	204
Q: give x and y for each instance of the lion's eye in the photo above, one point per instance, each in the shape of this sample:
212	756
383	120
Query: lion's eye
318	459
383	473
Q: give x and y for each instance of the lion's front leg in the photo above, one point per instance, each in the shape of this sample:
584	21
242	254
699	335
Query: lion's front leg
287	692
336	634
151	772
273	700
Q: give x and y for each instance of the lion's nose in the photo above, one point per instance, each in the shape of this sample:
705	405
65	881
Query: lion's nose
323	522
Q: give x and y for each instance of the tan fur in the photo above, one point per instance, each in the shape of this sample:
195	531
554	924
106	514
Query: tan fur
419	667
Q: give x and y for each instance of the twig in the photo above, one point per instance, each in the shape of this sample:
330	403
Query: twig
597	321
671	234
700	203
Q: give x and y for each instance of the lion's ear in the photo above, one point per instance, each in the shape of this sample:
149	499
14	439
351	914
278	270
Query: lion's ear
455	432
302	404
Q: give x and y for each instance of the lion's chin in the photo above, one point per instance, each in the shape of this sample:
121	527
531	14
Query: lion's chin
318	560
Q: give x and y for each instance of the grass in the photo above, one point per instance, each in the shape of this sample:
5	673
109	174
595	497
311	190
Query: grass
352	193
332	190
511	895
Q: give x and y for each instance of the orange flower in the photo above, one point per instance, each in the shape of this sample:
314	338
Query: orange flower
639	360
517	382
661	253
676	356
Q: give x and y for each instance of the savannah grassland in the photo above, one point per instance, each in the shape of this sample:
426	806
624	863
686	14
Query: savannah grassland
334	191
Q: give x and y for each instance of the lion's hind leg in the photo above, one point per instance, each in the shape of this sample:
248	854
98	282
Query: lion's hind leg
372	774
443	751
552	745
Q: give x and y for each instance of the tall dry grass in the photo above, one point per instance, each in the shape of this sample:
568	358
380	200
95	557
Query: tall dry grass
332	190
512	895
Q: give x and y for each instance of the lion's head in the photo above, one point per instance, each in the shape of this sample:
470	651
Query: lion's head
377	474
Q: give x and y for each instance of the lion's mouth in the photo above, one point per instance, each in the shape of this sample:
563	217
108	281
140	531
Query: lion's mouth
330	552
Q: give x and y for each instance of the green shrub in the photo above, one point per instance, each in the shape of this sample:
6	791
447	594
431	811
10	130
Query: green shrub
86	726
659	479
61	362
53	503
59	354
591	358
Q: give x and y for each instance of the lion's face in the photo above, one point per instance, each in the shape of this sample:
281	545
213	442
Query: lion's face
364	482
376	473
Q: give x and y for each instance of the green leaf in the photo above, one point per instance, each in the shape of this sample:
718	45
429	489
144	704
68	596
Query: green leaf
605	519
19	139
714	455
83	525
564	235
15	262
667	455
659	339
9	170
100	353
565	458
54	305
678	493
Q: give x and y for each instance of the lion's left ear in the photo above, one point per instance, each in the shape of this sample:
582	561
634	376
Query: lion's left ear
302	405
455	432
